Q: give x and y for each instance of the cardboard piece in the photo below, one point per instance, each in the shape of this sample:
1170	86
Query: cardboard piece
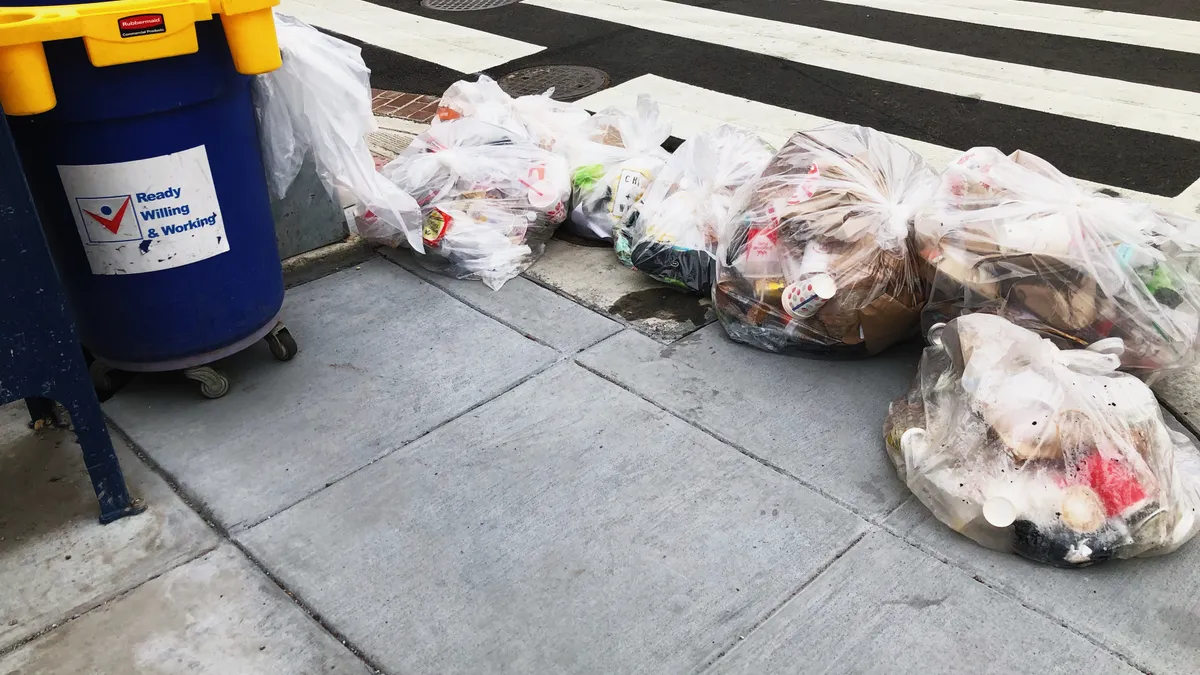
887	321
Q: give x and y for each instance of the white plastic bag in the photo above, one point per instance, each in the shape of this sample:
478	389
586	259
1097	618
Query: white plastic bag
319	101
1012	235
481	100
671	232
548	123
491	198
1050	454
618	157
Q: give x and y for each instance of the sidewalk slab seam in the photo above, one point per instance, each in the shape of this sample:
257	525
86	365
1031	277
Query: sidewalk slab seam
899	524
372	339
455	288
857	579
726	441
305	545
225	536
734	644
843	466
399	448
1006	592
175	623
57	561
1009	592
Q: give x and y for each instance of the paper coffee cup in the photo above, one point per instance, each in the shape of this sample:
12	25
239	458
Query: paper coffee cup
544	198
802	300
816	260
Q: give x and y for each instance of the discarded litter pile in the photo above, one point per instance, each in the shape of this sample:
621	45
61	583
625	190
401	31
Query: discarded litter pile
816	257
1050	454
491	198
1014	236
615	159
1019	431
671	232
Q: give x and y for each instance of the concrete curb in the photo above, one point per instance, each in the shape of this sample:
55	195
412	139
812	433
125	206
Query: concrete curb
312	265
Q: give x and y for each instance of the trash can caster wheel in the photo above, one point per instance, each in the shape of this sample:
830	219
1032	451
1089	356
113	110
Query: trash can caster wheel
102	378
282	344
107	380
212	383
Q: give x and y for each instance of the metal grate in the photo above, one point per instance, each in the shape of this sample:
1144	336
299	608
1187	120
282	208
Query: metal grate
465	5
569	82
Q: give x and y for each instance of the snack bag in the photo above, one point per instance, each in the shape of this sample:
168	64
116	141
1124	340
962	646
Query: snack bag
490	197
1013	236
616	159
550	124
1050	454
817	256
671	232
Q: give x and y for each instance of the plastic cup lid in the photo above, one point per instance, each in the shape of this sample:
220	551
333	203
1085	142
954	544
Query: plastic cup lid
1112	345
542	195
824	286
999	511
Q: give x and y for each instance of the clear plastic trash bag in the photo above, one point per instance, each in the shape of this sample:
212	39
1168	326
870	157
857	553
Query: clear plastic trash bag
548	123
319	101
817	255
1050	454
617	158
491	198
671	232
1013	236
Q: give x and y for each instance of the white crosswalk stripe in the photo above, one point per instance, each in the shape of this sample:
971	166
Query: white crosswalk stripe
462	49
1130	29
1098	99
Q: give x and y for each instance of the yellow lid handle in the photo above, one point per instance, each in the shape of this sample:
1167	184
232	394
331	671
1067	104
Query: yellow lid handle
25	86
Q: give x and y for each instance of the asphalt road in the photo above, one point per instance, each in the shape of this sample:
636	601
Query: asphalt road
1103	137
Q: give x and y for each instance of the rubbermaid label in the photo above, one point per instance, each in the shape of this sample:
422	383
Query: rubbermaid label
146	215
141	24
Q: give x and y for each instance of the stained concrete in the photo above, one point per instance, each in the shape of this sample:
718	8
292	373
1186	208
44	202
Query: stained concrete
592	276
216	615
566	527
525	306
885	607
384	357
822	421
56	560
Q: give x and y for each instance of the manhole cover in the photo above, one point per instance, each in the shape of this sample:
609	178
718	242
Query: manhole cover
465	5
569	82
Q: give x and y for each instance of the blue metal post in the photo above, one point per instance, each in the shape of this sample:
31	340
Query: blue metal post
40	358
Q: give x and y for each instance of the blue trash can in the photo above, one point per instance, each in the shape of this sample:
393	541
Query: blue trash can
152	192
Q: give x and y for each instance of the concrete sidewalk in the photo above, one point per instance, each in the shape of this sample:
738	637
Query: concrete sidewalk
565	476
